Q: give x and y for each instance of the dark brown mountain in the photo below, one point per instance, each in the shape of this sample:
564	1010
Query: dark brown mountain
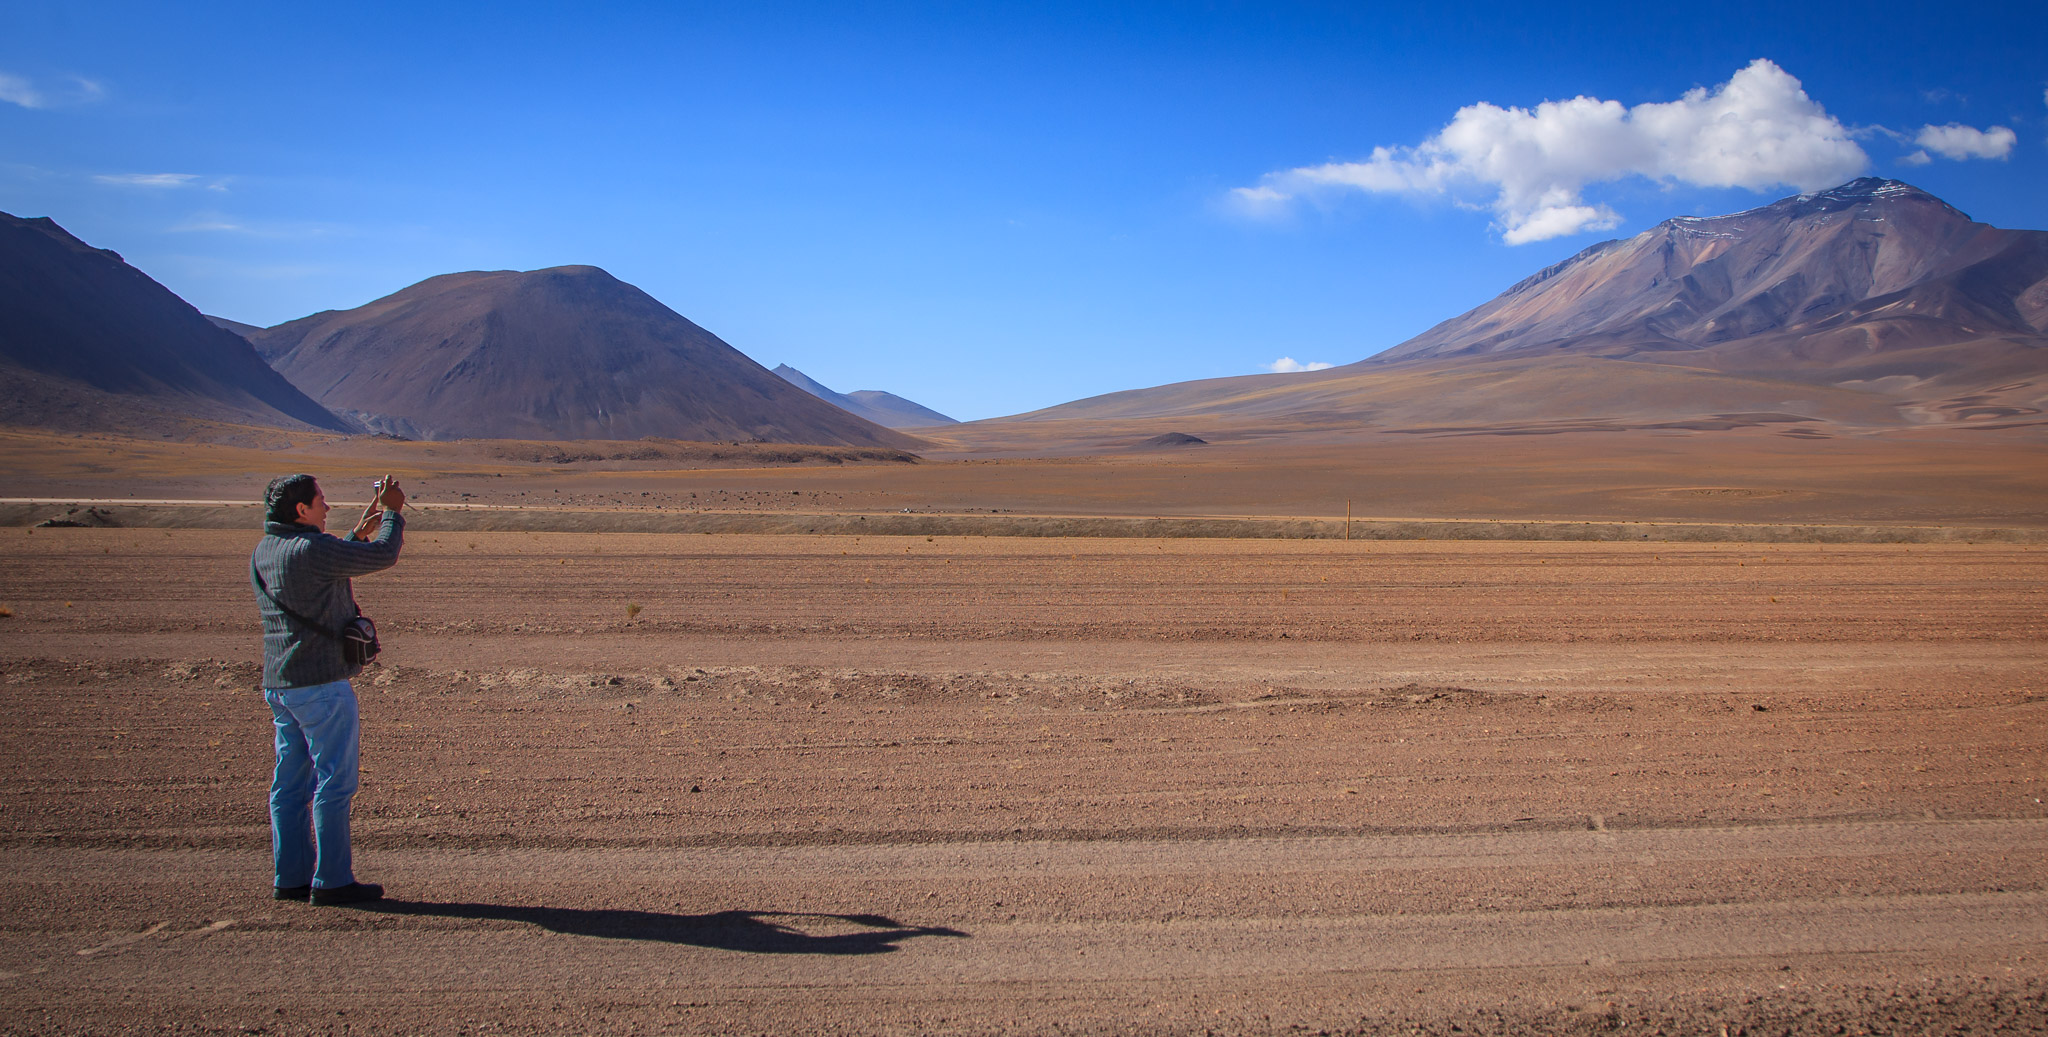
239	328
882	408
563	353
1874	303
89	342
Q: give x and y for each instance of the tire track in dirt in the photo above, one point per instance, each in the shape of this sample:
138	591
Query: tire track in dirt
582	929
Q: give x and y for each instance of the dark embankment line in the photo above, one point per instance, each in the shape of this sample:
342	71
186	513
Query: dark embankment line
458	518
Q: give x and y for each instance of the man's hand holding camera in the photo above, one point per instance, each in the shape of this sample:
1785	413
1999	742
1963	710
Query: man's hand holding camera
388	497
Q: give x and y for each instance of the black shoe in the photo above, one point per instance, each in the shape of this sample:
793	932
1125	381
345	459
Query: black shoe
299	893
353	893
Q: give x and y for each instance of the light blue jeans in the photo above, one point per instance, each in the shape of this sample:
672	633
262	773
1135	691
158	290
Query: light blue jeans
313	785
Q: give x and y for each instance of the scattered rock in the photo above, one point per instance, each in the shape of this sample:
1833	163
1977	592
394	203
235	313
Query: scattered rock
81	518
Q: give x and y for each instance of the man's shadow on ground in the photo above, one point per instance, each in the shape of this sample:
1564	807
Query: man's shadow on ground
754	932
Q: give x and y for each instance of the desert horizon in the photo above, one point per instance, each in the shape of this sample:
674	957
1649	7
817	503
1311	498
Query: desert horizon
1755	475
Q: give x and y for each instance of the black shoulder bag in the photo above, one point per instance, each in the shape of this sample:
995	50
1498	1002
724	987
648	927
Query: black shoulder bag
358	636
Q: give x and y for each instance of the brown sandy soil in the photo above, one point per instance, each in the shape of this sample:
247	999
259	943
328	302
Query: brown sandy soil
967	785
1763	474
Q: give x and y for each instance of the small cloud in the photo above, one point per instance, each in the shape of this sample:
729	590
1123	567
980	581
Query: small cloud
1875	130
1918	158
213	221
1258	203
147	179
16	90
1961	142
1758	130
205	224
1289	365
19	90
1560	220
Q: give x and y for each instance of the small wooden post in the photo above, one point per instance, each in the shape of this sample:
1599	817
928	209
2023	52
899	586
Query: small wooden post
1347	518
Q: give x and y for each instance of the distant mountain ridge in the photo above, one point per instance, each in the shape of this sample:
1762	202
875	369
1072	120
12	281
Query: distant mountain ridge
882	408
1869	250
239	328
1873	304
564	352
87	341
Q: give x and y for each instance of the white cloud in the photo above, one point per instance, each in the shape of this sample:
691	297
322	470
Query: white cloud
1556	221
16	90
1960	142
148	179
1918	158
214	221
1289	365
1758	130
209	223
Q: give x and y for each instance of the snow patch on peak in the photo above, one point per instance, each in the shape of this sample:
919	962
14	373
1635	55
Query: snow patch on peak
1856	194
1865	187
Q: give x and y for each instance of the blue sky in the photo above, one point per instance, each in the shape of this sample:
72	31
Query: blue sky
987	208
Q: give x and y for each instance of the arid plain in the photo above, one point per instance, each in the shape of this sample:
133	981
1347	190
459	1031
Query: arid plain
1953	475
678	782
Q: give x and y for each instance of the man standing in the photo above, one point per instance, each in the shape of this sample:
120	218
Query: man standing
301	575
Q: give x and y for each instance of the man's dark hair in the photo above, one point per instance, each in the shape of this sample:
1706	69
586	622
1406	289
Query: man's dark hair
281	499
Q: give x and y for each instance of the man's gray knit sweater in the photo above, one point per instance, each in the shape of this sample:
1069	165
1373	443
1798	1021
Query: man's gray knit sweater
308	571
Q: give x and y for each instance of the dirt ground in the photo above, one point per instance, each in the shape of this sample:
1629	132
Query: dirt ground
729	784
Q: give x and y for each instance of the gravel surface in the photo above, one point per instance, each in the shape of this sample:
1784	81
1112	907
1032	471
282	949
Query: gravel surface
894	785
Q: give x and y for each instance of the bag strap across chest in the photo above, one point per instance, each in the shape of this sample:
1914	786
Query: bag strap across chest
319	628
